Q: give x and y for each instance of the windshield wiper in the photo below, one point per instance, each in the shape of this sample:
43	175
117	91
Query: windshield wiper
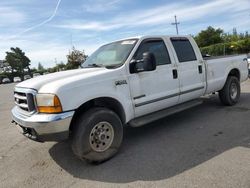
113	66
95	65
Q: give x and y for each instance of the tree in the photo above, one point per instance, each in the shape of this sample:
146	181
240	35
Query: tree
209	37
235	31
246	34
33	70
40	67
60	67
75	58
17	59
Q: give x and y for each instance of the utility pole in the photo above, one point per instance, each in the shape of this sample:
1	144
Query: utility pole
176	24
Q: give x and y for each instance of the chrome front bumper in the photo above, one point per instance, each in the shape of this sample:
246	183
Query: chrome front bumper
43	127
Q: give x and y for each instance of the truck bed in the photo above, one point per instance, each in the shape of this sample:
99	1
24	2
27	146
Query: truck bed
219	67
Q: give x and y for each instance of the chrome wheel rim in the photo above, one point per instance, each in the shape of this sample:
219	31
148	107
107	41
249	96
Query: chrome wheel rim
101	136
234	91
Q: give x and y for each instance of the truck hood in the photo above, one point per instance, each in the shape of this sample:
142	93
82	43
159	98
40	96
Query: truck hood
40	81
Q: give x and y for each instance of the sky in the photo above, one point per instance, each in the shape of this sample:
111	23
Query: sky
46	30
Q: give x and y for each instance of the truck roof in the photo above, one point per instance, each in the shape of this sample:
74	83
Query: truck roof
153	36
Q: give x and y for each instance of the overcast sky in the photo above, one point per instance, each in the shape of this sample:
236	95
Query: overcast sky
44	28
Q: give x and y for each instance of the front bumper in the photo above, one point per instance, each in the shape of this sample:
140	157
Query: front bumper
43	127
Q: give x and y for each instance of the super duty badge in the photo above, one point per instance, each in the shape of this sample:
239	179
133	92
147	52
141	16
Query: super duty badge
120	82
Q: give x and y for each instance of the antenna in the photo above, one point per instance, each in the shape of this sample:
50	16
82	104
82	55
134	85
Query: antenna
176	24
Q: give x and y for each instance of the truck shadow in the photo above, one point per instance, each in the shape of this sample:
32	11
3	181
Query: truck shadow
167	147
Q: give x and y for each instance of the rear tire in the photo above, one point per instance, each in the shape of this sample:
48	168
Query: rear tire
230	93
98	135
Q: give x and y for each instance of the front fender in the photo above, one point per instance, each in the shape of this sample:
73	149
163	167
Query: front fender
73	98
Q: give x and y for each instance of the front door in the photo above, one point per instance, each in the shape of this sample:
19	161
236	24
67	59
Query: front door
154	90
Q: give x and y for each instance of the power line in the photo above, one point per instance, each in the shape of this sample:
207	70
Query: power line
176	24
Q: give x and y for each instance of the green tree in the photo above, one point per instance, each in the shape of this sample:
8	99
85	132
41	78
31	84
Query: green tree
33	70
17	59
233	47
209	37
40	67
60	67
75	58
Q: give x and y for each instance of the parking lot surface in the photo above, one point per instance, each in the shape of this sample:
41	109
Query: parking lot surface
206	146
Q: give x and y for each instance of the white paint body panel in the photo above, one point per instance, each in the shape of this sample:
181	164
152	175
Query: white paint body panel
75	87
218	70
154	85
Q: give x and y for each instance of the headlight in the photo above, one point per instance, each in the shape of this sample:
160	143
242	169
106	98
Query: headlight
48	103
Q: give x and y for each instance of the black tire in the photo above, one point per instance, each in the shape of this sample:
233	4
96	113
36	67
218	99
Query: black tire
226	95
84	145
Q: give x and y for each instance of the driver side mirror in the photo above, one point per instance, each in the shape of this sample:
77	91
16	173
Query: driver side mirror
206	55
147	63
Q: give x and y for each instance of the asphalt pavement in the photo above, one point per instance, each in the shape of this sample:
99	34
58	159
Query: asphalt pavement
206	146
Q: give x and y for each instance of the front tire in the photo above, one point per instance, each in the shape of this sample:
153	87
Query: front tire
230	93
98	135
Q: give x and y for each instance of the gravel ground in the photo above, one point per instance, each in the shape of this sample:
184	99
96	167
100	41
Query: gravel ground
206	146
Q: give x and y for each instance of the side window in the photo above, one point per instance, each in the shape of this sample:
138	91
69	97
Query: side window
158	48
183	49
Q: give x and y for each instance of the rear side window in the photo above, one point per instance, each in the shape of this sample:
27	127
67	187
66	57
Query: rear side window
183	49
158	48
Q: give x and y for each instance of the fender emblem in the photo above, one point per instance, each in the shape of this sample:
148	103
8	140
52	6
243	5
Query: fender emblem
120	82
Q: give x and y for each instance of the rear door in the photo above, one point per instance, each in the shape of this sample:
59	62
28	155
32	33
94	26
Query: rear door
191	69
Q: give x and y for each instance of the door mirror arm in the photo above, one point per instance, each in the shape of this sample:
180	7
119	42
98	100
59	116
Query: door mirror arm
147	63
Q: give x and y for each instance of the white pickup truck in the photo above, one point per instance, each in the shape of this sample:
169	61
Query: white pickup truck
128	82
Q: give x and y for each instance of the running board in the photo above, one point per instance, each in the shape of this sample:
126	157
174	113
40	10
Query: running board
140	121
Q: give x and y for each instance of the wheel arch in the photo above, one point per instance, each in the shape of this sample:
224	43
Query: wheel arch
234	72
107	102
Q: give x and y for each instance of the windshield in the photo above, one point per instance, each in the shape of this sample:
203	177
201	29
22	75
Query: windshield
111	55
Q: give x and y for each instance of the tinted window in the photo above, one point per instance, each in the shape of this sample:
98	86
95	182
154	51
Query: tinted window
158	48
183	49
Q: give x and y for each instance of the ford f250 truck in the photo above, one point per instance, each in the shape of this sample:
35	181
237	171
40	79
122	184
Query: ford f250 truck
128	82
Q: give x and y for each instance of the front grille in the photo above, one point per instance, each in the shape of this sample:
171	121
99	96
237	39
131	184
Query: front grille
24	101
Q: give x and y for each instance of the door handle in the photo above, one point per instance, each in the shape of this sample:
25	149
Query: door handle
200	69
175	73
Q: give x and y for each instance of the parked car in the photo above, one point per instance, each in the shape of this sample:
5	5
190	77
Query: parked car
17	79
248	60
36	75
128	82
6	80
26	77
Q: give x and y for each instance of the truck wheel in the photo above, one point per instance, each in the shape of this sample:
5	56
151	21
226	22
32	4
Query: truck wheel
98	135
230	93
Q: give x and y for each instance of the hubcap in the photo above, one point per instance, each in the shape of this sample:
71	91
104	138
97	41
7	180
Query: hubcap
101	136
234	91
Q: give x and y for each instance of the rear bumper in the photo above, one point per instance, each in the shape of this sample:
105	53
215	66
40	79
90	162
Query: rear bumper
43	127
